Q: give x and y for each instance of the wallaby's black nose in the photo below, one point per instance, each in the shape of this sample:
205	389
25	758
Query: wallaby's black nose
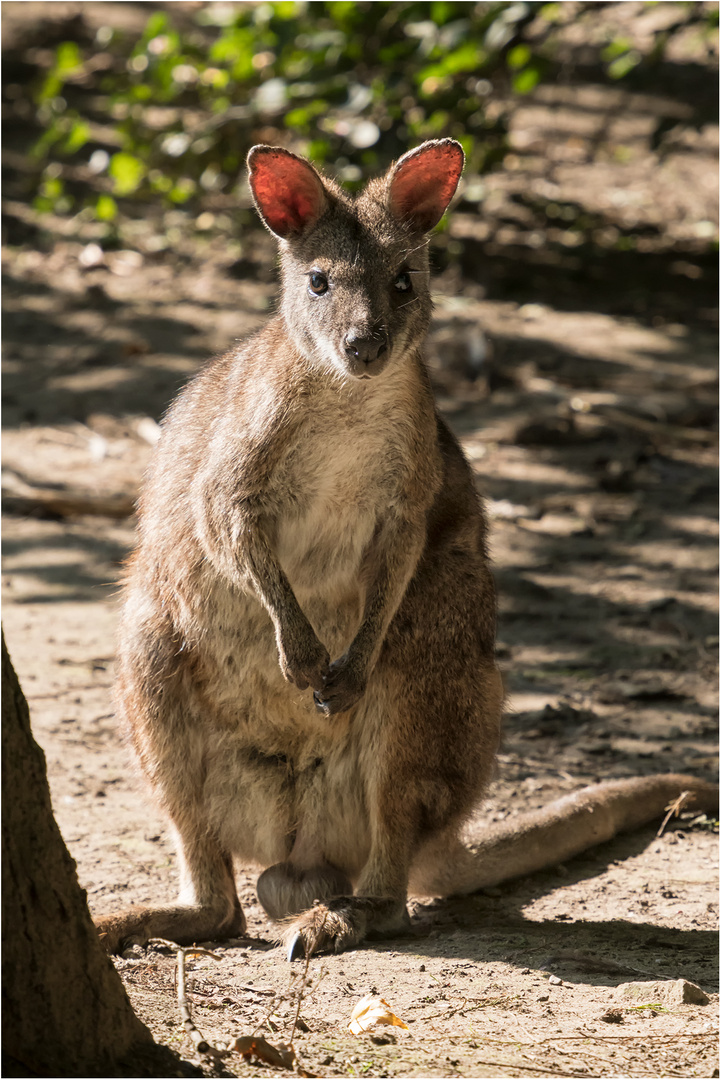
365	349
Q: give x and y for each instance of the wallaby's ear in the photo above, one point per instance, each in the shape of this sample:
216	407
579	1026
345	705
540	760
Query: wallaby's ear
288	193
422	183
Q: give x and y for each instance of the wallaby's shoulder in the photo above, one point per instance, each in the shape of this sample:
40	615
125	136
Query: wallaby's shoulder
258	374
234	408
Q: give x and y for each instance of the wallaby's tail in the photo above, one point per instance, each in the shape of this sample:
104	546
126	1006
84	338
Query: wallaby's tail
546	837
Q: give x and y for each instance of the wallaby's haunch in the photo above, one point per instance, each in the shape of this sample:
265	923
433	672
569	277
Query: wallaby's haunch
306	660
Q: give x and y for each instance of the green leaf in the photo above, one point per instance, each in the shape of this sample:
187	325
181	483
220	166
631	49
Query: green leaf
441	12
285	9
318	150
616	48
550	12
623	64
468	144
518	57
52	188
343	12
51	197
155	25
182	191
437	122
79	135
466	57
216	77
68	59
160	182
527	80
52	134
106	208
126	172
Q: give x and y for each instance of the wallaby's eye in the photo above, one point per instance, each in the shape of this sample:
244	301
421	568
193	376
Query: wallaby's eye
317	283
403	283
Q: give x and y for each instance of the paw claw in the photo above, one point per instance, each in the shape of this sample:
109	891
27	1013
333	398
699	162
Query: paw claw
296	948
321	705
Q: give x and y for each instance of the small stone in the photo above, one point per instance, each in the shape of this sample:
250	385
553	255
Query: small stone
612	1016
555	981
668	992
543	997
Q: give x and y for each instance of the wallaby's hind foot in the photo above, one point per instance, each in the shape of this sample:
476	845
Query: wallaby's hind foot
207	908
286	889
343	923
181	923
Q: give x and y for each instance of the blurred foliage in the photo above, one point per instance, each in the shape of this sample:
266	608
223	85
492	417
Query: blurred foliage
171	114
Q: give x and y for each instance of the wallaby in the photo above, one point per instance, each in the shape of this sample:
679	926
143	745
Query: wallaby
306	669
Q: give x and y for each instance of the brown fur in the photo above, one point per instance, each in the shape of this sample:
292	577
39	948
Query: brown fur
307	505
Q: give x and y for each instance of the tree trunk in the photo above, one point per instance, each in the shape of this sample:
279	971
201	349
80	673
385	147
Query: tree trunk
65	1010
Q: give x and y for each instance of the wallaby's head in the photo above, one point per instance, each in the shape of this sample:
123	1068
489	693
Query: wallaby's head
355	269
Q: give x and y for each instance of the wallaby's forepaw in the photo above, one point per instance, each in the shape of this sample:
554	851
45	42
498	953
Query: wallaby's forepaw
343	687
343	923
304	663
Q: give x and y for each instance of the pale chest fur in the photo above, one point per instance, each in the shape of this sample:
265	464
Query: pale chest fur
327	491
336	485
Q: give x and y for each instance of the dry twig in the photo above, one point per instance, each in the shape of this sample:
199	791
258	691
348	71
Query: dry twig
199	1042
303	985
674	809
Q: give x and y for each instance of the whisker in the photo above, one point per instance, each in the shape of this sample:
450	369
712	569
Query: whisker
409	251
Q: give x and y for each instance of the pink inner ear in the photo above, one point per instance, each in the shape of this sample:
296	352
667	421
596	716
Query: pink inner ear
424	183
288	192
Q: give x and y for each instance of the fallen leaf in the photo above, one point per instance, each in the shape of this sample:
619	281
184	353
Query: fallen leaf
253	1046
370	1011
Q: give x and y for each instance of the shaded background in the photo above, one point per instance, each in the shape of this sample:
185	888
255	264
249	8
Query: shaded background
573	351
130	123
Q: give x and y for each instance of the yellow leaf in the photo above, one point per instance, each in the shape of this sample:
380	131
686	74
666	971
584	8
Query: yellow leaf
371	1011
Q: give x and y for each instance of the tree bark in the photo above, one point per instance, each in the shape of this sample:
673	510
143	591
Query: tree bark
65	1010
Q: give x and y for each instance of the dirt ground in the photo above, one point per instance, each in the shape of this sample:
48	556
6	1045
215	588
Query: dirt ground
584	390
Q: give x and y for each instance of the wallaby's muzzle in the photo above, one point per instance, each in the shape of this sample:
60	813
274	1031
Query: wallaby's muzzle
366	355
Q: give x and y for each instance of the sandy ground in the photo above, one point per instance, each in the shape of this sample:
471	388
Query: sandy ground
585	402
